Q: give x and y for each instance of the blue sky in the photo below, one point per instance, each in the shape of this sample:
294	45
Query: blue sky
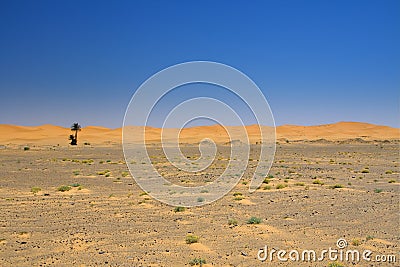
315	61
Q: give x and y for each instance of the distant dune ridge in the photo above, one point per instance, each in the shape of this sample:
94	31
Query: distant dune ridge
55	135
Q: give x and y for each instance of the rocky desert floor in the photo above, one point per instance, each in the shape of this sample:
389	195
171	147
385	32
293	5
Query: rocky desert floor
79	206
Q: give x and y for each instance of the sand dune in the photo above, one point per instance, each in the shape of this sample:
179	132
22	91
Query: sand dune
53	135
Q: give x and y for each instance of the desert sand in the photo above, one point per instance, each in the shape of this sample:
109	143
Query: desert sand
53	135
78	206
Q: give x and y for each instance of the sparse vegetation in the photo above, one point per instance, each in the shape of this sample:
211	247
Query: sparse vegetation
336	186
280	186
391	181
200	199
35	189
356	242
388	172
378	190
299	184
267	187
317	181
179	209
197	261
103	172
190	239
365	171
335	264
254	220
233	222
238	198
64	188
26	148
75	185
369	237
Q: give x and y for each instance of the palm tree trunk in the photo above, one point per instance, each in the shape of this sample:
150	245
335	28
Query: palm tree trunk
76	136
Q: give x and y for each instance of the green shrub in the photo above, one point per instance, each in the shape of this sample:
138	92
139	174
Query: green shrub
197	261
35	189
391	181
179	209
233	222
267	187
318	182
26	148
336	186
299	184
280	186
64	188
190	239
238	198
254	220
365	171
377	190
103	172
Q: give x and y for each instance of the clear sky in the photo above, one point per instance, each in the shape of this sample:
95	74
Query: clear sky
315	61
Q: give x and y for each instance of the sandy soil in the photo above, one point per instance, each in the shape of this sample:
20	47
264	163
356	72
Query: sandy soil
107	220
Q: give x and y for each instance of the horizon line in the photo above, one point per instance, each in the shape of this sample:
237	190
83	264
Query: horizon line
213	125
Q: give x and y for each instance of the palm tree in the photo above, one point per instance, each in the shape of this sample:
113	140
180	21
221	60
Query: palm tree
75	128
